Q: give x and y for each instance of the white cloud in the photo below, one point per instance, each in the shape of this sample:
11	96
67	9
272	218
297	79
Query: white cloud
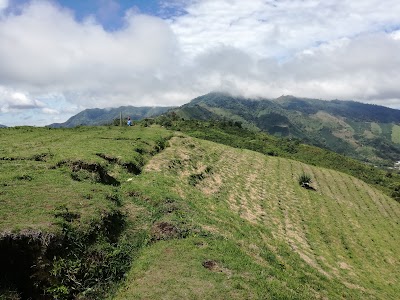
3	4
59	54
259	48
276	28
50	111
13	100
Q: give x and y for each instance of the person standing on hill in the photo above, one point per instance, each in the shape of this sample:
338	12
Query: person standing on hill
129	121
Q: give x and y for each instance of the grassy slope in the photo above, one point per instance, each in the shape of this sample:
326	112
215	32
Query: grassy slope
265	235
64	229
269	238
36	175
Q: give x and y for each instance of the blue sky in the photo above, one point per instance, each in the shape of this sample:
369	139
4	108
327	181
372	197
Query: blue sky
59	57
110	13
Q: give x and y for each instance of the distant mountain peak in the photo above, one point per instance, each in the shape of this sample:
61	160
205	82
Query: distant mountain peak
103	116
363	131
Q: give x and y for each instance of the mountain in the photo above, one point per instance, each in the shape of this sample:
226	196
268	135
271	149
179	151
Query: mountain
97	116
366	132
3	126
150	213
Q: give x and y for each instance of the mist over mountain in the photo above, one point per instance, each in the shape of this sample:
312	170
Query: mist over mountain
363	131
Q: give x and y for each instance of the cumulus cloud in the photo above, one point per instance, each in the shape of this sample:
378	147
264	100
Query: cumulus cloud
259	48
12	100
277	28
58	54
323	49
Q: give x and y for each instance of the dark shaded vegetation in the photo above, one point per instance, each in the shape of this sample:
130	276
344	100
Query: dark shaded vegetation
89	171
36	265
22	257
396	192
88	262
196	178
349	109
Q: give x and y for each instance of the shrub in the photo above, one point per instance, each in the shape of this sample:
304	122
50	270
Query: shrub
304	180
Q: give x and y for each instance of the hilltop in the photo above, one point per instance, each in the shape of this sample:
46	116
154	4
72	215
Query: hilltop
183	217
370	133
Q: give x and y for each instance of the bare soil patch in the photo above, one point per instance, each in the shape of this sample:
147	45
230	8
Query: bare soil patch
164	231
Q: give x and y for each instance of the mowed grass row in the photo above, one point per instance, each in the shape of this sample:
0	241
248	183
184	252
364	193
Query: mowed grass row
269	237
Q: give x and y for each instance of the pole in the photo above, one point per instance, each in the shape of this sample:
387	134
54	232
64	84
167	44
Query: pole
120	118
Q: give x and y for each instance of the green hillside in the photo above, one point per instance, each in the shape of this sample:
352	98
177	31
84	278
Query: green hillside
366	132
265	237
64	227
184	218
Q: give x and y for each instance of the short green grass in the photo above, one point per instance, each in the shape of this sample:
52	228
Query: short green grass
207	221
36	175
269	237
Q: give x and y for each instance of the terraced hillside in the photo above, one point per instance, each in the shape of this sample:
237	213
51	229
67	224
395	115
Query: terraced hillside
261	235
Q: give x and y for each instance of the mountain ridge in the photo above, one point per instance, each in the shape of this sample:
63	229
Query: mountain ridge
366	132
105	116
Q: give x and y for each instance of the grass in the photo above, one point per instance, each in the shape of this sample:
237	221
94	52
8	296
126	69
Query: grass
203	220
229	134
42	169
65	229
270	238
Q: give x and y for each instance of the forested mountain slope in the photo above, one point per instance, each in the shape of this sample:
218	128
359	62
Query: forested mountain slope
366	132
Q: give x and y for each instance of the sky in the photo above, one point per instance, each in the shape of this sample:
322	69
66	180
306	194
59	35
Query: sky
59	57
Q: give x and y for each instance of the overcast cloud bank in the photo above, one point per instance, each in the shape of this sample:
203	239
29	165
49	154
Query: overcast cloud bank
53	66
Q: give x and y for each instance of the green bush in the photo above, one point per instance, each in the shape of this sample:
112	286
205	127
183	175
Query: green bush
304	180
